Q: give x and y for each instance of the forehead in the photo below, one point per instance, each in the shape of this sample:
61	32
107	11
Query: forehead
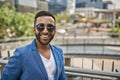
45	19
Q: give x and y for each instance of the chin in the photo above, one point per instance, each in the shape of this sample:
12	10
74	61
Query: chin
44	43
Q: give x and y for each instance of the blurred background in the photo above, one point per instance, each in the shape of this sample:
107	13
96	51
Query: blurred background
16	16
88	31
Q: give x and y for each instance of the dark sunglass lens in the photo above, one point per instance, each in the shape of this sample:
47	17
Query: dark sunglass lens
50	27
40	27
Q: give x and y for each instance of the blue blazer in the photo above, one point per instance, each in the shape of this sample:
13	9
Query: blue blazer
26	64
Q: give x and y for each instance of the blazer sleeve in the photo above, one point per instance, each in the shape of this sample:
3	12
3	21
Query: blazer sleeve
12	70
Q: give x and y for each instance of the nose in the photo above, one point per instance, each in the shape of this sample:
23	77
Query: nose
45	29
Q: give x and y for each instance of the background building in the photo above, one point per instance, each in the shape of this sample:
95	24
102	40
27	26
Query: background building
93	9
54	6
89	3
25	5
57	6
71	6
96	9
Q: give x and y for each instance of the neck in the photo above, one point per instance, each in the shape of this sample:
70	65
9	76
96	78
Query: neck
43	49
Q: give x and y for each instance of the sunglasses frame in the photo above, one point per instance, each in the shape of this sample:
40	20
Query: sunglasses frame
50	28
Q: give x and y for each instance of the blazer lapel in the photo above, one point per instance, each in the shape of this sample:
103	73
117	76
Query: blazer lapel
55	54
39	60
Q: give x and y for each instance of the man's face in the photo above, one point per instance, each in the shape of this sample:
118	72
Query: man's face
44	29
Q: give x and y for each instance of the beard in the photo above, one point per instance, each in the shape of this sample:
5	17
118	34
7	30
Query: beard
40	40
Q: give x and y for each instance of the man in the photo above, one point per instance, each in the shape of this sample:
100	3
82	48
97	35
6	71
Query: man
38	60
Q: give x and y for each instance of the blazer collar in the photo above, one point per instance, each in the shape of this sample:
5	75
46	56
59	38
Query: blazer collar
39	60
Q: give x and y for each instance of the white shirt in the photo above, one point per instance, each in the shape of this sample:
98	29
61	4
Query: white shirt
50	66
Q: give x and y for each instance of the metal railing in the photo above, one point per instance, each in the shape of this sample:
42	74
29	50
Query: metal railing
72	72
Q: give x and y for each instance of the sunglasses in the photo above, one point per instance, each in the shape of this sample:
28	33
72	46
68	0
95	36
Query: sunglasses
41	27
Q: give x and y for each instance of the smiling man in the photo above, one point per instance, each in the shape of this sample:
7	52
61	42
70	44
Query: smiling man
39	60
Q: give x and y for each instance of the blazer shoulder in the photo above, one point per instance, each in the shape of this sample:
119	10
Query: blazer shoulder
22	50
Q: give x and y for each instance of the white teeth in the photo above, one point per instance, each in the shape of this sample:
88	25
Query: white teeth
44	35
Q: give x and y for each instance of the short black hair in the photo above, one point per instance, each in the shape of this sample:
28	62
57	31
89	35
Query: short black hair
43	13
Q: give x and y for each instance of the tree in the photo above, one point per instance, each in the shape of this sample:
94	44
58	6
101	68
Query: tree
13	23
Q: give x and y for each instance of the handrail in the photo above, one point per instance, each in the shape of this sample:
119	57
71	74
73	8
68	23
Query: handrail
92	73
90	76
75	71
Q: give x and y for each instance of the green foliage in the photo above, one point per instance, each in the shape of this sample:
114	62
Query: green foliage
60	17
14	23
23	23
115	32
80	16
